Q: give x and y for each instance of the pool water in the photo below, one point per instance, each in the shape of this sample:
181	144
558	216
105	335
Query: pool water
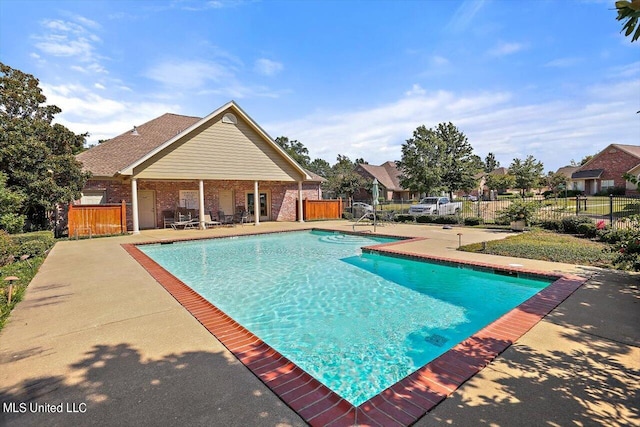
356	322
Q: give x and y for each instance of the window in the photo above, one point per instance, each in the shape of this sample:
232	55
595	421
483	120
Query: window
229	118
606	184
189	199
93	198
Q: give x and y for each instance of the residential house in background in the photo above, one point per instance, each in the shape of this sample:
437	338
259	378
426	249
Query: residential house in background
222	162
605	170
484	191
568	171
388	177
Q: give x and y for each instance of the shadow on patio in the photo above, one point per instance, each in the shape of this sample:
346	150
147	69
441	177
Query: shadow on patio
120	388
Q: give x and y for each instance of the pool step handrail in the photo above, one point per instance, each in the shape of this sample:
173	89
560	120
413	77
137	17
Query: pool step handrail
360	219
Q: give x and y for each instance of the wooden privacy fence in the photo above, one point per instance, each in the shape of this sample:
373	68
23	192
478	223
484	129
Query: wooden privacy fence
321	209
97	220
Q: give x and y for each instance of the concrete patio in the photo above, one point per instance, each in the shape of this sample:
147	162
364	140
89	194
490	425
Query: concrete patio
99	336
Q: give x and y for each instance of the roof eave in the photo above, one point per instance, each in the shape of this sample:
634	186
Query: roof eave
129	170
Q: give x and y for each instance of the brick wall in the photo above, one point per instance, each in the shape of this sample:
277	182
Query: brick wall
615	163
283	195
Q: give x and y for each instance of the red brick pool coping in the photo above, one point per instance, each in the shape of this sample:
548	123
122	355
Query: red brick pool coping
399	405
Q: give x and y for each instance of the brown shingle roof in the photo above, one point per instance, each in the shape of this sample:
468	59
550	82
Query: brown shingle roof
567	170
387	174
111	156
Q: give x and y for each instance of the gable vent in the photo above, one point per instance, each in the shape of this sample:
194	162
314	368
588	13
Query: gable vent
229	118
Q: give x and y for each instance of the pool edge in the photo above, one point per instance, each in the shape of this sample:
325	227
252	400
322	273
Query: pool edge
402	403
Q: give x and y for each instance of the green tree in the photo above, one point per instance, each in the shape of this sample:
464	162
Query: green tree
320	167
632	179
421	161
438	159
556	182
36	156
527	173
629	12
490	163
344	180
11	219
500	183
295	149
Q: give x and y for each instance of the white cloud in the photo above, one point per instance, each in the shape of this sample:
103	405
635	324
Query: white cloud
83	110
416	89
59	45
205	78
99	86
71	39
553	132
268	67
189	74
503	49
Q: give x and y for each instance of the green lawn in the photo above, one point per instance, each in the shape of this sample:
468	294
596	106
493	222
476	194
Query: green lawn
548	246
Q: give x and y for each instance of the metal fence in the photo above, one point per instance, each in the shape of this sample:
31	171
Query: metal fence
616	211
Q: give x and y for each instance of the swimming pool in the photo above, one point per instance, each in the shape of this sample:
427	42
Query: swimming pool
357	322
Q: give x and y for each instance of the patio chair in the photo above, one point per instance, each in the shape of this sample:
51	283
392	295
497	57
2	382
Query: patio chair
241	217
225	219
185	224
169	217
208	222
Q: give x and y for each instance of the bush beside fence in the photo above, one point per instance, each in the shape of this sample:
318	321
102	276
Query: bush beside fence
618	212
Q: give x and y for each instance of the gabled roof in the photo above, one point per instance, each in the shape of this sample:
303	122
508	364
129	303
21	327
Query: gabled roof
568	170
108	158
633	150
387	174
315	177
500	171
587	174
122	154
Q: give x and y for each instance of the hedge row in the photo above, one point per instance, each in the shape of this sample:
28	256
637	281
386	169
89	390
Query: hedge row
32	244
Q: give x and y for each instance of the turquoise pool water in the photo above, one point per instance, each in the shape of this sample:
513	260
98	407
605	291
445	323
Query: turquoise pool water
356	322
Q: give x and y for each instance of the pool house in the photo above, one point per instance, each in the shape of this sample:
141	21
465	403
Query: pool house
224	162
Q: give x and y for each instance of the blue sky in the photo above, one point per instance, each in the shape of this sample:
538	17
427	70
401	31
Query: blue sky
554	79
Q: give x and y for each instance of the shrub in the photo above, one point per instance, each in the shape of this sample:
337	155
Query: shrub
629	251
552	224
570	224
347	215
519	210
44	236
608	235
12	222
587	229
32	248
446	219
7	247
32	244
425	219
502	221
472	220
616	191
405	218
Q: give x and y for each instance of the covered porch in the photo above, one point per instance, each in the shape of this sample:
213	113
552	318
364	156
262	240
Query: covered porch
154	201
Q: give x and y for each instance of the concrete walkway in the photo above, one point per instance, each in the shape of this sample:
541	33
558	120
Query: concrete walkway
98	336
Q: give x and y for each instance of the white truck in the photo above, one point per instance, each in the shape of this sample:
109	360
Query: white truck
435	206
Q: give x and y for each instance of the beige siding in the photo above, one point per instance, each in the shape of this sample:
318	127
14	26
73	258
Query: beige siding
220	151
